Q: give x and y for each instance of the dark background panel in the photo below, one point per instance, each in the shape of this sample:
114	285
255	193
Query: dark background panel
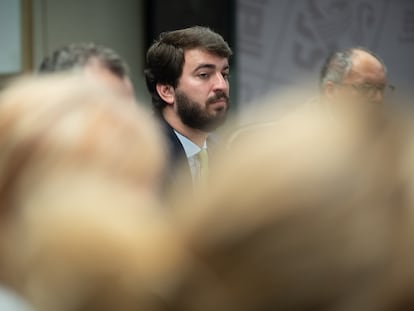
166	15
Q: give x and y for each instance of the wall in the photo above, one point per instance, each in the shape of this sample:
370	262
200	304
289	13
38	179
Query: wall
15	38
283	43
10	34
113	23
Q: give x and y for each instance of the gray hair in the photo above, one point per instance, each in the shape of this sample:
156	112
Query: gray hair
339	63
77	55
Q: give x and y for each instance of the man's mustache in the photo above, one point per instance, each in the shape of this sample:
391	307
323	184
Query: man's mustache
218	96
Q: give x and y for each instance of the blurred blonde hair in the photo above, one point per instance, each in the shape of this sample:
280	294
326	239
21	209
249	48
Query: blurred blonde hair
313	212
308	213
79	176
66	121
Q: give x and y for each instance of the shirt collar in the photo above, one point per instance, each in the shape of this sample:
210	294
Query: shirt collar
190	148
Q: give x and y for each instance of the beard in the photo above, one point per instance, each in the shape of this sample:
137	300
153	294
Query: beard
197	116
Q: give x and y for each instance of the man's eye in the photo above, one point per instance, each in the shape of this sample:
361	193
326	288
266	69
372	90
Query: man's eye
226	75
203	75
373	87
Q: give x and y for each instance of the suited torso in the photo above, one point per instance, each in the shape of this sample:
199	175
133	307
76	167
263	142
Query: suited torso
178	168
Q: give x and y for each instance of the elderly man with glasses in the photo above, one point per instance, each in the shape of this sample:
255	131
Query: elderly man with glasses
354	75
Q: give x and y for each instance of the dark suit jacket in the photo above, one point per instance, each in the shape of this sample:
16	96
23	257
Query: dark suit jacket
178	169
177	164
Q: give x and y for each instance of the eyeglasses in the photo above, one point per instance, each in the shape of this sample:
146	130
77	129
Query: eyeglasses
370	90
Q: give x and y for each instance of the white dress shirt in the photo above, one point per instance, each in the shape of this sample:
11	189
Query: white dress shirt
191	150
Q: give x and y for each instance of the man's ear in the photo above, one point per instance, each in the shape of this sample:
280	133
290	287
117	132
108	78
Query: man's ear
329	89
166	92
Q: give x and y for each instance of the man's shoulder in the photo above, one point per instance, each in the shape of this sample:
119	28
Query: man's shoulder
176	150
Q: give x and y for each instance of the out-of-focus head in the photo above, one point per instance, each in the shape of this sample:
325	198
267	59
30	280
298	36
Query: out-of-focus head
354	75
98	62
53	126
314	212
79	176
307	216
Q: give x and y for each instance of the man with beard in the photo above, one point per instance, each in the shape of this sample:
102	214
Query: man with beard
187	76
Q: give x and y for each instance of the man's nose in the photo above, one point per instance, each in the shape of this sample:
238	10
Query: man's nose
220	82
378	96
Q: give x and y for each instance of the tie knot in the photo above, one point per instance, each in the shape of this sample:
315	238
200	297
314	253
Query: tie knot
202	156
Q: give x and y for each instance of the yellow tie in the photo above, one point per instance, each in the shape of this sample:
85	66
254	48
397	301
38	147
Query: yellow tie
203	160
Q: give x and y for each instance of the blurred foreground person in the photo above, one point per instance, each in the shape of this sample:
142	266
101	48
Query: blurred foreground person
317	216
95	61
79	180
